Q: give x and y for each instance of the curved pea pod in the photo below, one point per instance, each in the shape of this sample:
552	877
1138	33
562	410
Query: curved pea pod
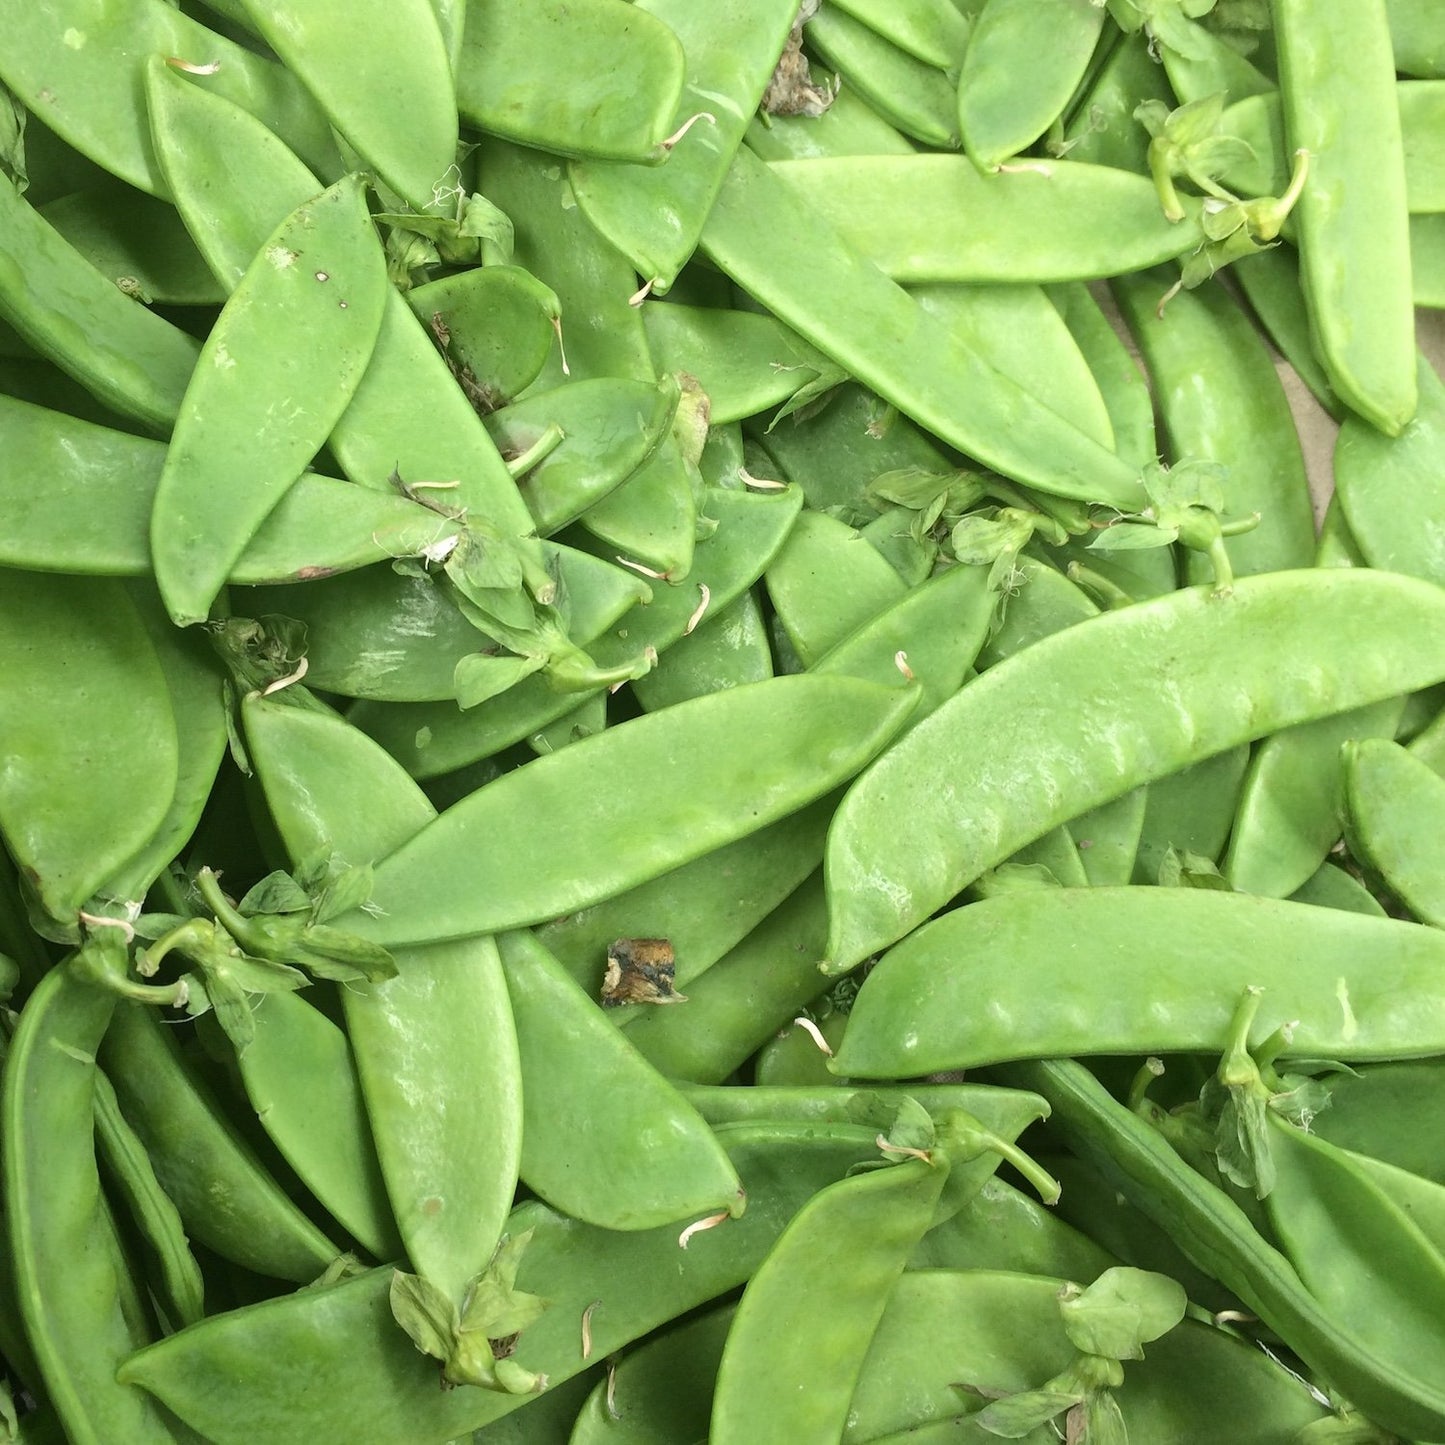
820	730
1191	811
652	517
1393	807
93	514
1354	252
384	79
1388	1112
530	72
769	240
495	325
933	30
1329	886
1107	839
90	735
131	359
1278	650
81	70
302	324
367	1382
1200	64
849	127
1035	223
609	428
1023	62
1038	603
429	739
1101	128
1417	38
728	649
1108	970
654	215
646	1157
1290	807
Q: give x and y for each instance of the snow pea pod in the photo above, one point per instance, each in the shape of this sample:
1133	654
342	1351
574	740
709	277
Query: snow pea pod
1205	65
384	79
530	72
1393	806
849	127
654	214
1106	970
727	650
1038	602
1329	886
90	733
1275	651
1388	1112
1427	260
1191	811
369	1386
1352	216
933	30
1102	129
1417	37
772	243
1049	221
274	376
1107	838
131	359
449	882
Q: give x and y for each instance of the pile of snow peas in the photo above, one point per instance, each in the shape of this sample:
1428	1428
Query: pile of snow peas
680	758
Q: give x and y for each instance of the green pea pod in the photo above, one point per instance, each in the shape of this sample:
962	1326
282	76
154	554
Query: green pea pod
729	649
429	739
820	731
1329	886
1191	811
1354	257
1427	261
771	242
1416	37
530	72
848	127
368	1382
1278	650
1386	1111
384	79
93	515
648	1158
1045	221
1037	603
302	322
437	1040
1023	62
130	358
227	1200
1107	838
1201	64
82	72
1393	803
1101	129
933	30
654	215
90	732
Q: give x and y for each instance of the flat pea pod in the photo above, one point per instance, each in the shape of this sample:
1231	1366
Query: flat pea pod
1427	260
1330	886
1278	650
1417	37
1206	65
1352	216
90	732
1191	811
849	127
820	730
93	515
1393	806
933	30
1107	838
1123	982
767	238
65	1277
529	72
1023	62
1337	546
875	1219
728	649
648	1158
301	324
1047	221
130	358
1037	603
382	76
1101	128
369	1386
1387	1111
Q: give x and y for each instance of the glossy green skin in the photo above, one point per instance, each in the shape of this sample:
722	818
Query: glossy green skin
1039	603
435	1048
646	1157
382	75
1289	808
1116	971
131	359
1054	221
933	30
1024	61
227	1200
849	127
799	1382
1417	37
1394	803
1355	252
530	72
1102	129
1216	1234
728	649
90	730
65	1276
654	214
1107	838
919	99
1212	68
93	514
432	738
1278	650
1331	887
1221	400
1429	745
1388	1113
773	244
92	94
330	1367
1191	811
451	881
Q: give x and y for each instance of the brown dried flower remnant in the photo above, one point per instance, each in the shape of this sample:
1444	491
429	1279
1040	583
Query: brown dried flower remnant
640	970
791	90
